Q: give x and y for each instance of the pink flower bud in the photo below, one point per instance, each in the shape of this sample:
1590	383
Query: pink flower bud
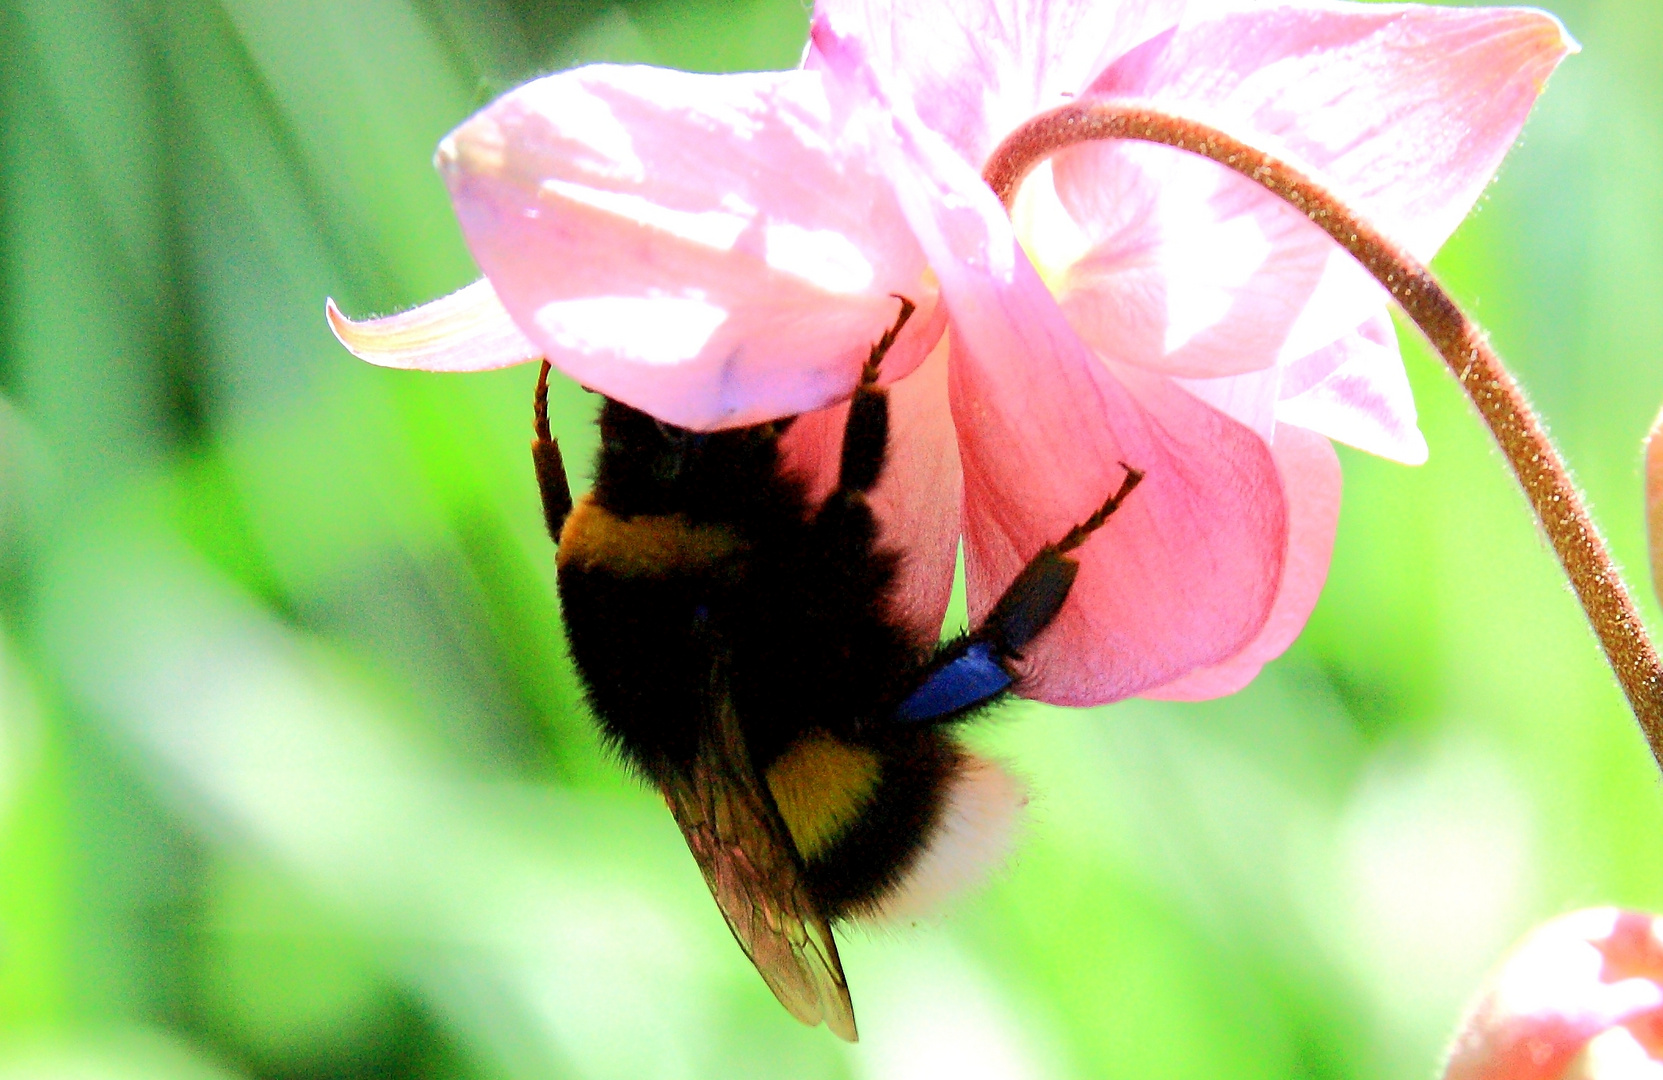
1580	998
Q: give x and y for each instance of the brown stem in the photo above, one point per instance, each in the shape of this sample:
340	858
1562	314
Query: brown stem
1535	460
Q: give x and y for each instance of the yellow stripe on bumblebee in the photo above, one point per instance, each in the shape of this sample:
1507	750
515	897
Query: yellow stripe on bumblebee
648	545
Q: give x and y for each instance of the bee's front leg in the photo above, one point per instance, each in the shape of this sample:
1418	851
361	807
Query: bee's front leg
866	435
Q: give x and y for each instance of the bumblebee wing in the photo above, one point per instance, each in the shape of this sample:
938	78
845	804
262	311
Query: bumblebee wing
753	871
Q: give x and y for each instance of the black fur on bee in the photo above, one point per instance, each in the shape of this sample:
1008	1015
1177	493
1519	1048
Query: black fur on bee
736	646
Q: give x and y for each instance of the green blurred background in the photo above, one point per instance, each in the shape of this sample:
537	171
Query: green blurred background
294	781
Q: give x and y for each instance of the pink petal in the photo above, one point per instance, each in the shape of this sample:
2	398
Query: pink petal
1353	390
1310	472
1184	575
917	499
465	331
1356	392
975	69
1248	399
1407	110
1191	270
1571	979
715	250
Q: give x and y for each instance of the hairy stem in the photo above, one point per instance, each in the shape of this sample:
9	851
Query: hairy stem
1464	347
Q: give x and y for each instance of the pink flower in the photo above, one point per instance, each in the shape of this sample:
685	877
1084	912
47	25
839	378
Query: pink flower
1580	998
723	249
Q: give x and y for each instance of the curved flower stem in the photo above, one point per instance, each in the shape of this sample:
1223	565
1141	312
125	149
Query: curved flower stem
1464	347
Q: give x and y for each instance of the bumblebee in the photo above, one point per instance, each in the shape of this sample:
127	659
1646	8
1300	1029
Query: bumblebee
736	648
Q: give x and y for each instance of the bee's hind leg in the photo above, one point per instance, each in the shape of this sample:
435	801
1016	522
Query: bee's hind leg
545	456
1034	598
976	667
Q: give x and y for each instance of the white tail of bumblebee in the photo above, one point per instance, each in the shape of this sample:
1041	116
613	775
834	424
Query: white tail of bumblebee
977	830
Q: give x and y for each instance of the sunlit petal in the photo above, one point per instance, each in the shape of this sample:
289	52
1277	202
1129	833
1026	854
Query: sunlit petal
466	331
1407	110
1568	981
1355	391
1189	269
715	250
975	69
1310	472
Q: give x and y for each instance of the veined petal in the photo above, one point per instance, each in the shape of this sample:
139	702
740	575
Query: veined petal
1355	391
917	500
1184	574
1184	267
714	250
1310	472
469	330
1405	110
975	69
1248	399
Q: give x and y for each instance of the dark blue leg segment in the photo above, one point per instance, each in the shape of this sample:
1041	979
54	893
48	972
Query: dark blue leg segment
973	670
977	667
968	679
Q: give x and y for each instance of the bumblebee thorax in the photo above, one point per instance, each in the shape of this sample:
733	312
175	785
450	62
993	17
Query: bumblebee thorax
643	545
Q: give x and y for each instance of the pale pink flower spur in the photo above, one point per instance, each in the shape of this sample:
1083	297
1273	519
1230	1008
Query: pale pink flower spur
1654	503
1579	999
721	250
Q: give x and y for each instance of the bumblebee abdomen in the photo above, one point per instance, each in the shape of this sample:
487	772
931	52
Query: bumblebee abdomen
821	786
861	812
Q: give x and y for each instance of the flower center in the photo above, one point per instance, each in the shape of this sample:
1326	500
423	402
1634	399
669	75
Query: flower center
1046	230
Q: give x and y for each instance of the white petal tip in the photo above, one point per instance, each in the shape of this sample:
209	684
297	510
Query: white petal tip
466	331
1412	452
445	156
1566	41
477	147
339	325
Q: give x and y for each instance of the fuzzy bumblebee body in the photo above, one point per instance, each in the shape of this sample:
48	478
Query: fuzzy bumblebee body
736	646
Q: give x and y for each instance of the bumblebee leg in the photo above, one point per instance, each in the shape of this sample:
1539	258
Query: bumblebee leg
545	456
844	522
963	675
866	435
976	667
1034	598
